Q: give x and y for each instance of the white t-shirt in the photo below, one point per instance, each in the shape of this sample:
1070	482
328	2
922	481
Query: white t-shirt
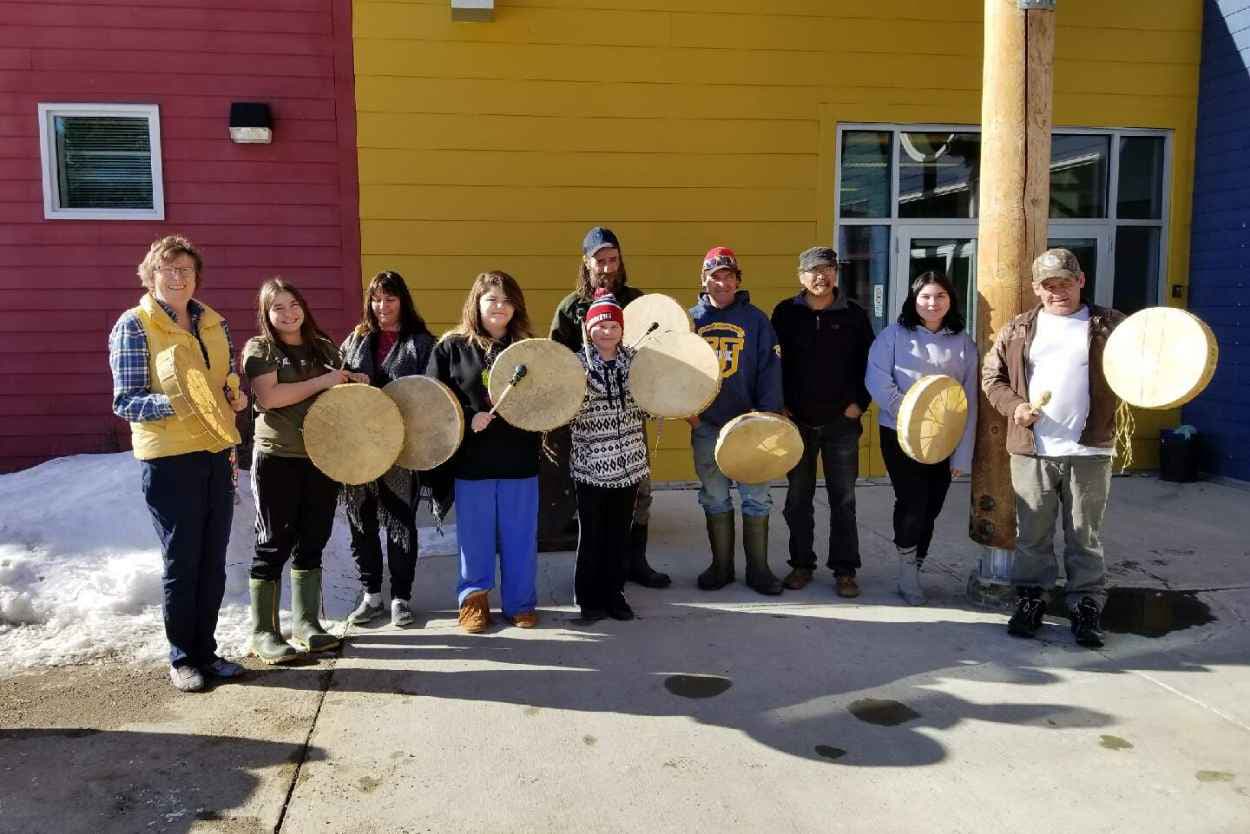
1059	363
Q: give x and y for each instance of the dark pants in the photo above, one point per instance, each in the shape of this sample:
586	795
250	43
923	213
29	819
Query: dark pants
401	561
919	492
294	514
604	515
837	444
191	499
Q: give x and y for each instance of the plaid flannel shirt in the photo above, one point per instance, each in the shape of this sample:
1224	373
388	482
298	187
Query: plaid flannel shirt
129	360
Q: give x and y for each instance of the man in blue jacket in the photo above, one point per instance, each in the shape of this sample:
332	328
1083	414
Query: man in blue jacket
824	351
750	381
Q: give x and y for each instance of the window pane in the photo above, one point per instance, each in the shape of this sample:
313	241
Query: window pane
104	162
1141	178
1086	251
1078	176
865	273
956	258
866	173
1136	268
939	174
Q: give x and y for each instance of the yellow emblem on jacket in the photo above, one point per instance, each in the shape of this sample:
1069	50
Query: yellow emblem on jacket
727	340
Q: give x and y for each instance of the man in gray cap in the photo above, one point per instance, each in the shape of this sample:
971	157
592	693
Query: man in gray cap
824	338
1044	374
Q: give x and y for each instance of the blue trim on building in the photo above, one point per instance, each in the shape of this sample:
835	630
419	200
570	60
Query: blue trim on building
1219	286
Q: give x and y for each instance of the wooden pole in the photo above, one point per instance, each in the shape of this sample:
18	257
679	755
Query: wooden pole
1015	196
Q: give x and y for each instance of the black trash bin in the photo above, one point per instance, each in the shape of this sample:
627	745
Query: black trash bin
1178	457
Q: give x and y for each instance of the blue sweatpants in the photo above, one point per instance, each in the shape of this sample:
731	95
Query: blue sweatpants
191	499
499	516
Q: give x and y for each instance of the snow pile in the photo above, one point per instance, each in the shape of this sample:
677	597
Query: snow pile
80	566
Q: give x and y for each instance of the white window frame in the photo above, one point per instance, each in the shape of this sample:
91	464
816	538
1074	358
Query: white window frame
1055	225
52	209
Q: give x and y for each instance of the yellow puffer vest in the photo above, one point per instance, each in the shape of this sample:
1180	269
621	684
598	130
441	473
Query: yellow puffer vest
175	436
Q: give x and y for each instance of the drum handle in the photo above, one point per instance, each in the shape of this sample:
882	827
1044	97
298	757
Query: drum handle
1040	403
517	376
655	325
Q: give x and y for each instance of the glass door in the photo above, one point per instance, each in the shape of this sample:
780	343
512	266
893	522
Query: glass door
952	249
946	248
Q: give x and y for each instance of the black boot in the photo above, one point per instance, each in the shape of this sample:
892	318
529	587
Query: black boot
720	534
638	570
755	545
1086	623
1027	618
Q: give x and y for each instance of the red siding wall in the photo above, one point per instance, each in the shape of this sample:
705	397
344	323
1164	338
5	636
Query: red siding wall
288	208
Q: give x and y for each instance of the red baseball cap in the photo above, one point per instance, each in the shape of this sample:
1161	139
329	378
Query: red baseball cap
720	257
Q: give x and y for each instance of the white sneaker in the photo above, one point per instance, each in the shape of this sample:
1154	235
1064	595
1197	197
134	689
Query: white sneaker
909	578
369	609
401	613
186	678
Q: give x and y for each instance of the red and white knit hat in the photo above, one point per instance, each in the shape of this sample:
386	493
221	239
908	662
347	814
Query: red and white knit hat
604	308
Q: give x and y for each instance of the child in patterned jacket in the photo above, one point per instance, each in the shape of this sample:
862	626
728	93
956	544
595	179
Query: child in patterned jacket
608	460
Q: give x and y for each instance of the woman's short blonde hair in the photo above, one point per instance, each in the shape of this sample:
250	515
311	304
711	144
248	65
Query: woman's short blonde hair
162	252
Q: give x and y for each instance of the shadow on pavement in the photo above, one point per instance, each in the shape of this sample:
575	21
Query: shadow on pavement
856	692
101	781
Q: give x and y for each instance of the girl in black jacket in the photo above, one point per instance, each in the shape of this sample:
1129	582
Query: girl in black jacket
496	467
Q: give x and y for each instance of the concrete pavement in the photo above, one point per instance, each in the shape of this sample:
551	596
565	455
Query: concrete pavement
712	712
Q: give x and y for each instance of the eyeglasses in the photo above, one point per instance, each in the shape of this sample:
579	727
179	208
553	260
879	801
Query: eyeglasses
180	271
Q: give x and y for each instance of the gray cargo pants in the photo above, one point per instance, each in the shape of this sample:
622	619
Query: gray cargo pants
1078	486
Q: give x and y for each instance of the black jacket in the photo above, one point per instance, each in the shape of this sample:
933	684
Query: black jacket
502	450
566	324
824	355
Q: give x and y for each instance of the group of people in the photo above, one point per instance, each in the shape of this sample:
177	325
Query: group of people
816	360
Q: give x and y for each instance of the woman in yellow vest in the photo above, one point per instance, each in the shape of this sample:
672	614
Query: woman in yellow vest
187	479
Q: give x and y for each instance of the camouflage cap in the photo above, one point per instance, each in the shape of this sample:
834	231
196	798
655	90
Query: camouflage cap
1056	263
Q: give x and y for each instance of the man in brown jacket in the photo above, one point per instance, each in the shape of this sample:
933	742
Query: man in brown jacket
1045	376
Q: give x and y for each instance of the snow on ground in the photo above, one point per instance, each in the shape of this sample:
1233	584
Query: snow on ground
80	566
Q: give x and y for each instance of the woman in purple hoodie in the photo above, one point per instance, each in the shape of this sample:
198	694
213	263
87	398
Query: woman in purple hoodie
929	338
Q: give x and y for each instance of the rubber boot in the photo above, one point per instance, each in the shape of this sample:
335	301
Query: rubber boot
909	577
306	630
267	642
720	534
639	571
755	545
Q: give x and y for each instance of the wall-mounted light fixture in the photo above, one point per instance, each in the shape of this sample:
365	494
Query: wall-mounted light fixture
477	11
250	123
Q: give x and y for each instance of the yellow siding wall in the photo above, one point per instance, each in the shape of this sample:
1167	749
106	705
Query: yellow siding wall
496	145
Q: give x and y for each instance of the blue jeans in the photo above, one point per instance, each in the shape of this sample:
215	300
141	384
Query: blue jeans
191	499
499	516
714	490
837	444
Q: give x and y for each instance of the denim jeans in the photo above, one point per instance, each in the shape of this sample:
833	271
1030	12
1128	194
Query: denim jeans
837	444
191	499
714	494
1076	488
